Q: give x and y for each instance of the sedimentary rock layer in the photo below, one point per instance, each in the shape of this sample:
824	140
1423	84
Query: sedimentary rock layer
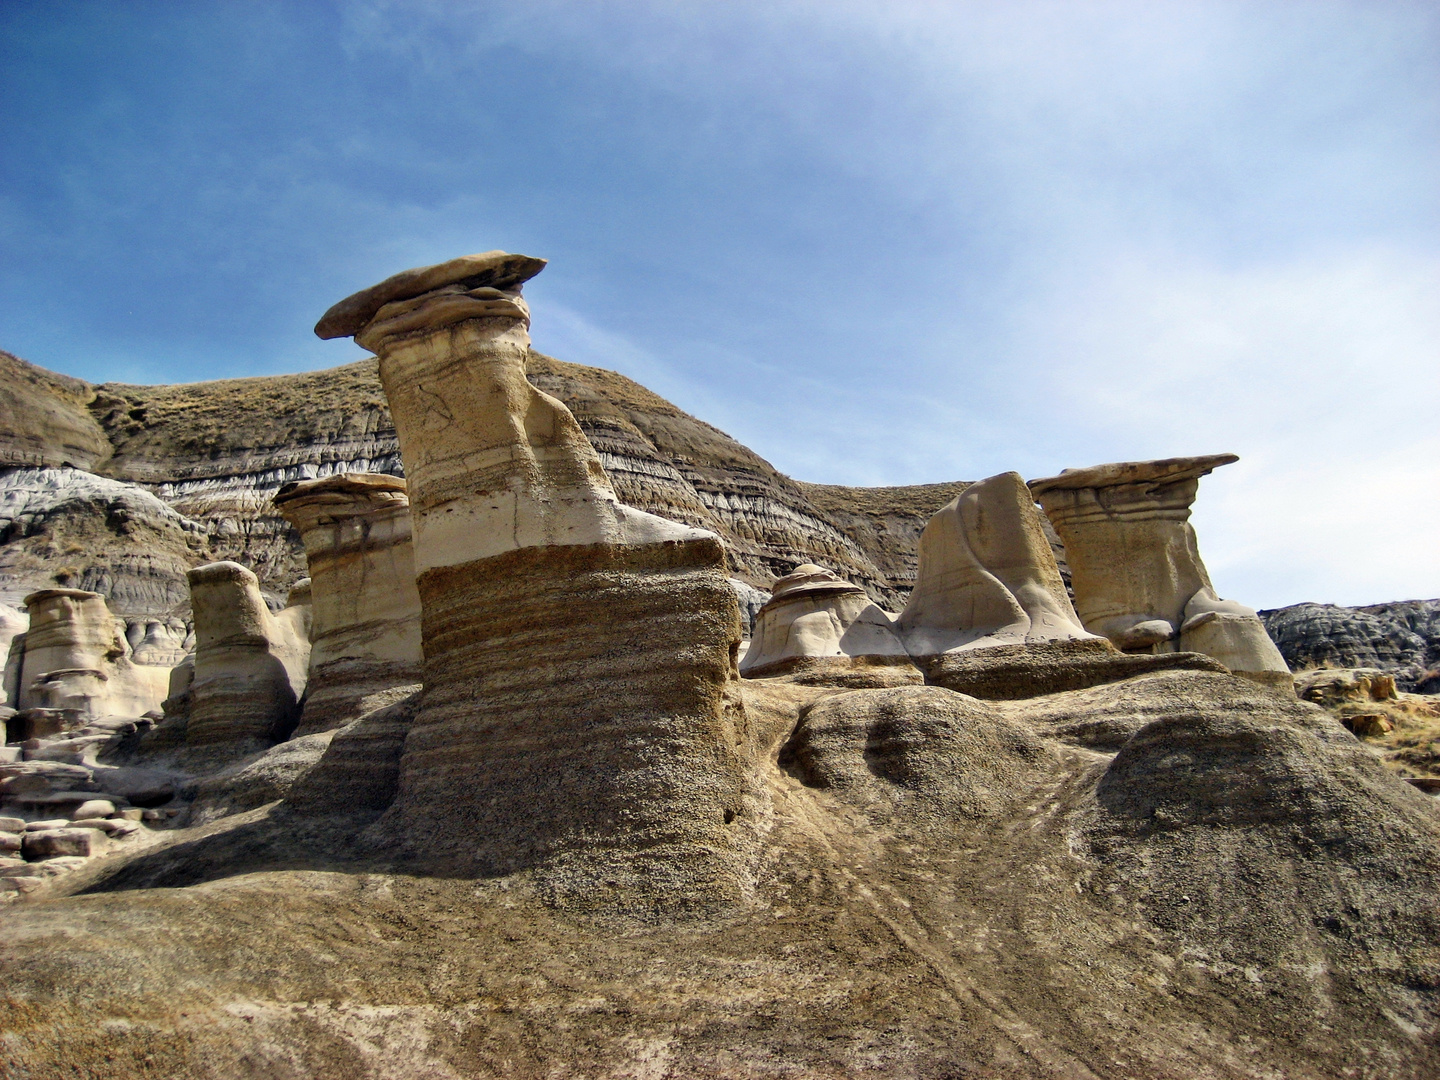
578	713
1401	638
217	452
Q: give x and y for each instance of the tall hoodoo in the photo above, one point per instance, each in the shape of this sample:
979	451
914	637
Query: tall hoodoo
250	665
1136	568
579	713
365	629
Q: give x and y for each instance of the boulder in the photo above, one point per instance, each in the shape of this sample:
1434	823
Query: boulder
365	631
92	808
581	716
47	843
814	615
250	665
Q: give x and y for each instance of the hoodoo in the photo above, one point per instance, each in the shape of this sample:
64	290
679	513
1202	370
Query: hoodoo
249	664
365	629
74	659
815	622
579	713
1136	567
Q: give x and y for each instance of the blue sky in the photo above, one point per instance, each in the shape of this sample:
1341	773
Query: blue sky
880	243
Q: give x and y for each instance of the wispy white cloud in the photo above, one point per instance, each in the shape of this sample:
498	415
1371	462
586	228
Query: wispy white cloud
880	243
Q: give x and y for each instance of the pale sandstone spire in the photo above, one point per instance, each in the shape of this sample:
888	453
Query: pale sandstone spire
987	576
1136	568
365	630
492	463
580	715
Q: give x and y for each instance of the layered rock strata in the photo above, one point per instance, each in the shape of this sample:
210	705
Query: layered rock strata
217	452
1402	639
250	665
73	662
814	620
579	713
365	630
1136	568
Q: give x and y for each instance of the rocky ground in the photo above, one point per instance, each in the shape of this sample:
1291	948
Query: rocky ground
948	888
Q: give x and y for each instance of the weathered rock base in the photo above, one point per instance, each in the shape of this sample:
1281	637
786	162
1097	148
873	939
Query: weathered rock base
1011	672
850	672
581	717
341	691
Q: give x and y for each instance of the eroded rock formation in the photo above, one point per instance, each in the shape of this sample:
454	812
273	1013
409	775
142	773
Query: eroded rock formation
365	630
579	713
73	663
1400	638
217	452
817	623
250	665
1136	569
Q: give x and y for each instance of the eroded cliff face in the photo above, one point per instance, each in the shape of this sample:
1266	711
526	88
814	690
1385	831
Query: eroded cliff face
1401	639
215	453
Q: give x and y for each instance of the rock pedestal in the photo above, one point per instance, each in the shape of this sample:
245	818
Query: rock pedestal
579	715
987	576
250	665
1136	569
818	623
75	659
989	615
365	632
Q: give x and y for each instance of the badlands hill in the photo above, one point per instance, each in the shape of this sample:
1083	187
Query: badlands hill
500	791
170	476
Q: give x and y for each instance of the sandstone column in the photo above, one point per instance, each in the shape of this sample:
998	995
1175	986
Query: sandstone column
579	713
989	615
818	624
249	664
1136	568
365	634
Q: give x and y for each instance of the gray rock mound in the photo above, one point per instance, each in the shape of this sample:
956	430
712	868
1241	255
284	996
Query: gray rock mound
1402	639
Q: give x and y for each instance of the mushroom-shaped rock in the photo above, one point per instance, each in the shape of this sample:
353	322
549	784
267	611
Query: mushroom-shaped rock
820	624
1136	568
581	714
365	630
250	665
